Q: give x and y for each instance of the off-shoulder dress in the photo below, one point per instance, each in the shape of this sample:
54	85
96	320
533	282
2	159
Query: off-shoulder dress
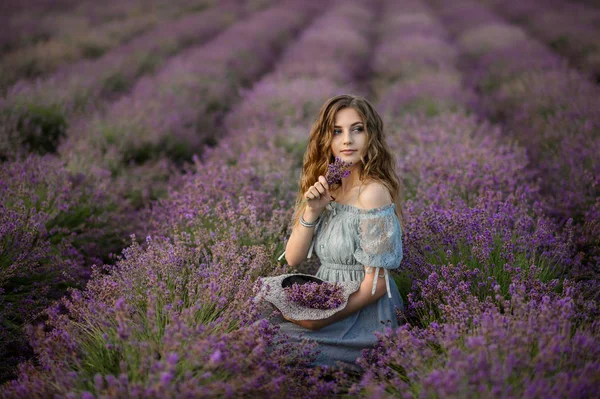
347	239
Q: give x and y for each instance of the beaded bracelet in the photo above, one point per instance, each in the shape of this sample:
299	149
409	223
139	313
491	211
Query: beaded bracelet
307	224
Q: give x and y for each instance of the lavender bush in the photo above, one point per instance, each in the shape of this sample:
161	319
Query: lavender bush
530	349
54	223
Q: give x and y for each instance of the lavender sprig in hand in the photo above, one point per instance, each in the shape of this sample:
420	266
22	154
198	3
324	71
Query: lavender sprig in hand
314	295
337	170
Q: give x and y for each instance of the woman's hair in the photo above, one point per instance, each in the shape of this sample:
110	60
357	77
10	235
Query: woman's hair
377	163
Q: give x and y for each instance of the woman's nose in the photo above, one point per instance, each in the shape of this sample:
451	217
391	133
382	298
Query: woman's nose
347	138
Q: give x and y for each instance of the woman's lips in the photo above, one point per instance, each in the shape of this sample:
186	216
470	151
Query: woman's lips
348	152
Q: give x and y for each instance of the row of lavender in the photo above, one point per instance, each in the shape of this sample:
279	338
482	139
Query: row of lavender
488	268
79	34
169	116
573	30
55	21
11	7
89	211
174	318
551	109
35	115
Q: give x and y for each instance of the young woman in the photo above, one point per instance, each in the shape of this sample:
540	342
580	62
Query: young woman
353	227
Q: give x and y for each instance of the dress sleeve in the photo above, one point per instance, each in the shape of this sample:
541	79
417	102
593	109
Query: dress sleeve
379	244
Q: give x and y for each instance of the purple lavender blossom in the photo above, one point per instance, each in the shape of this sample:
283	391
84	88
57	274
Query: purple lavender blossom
315	295
337	170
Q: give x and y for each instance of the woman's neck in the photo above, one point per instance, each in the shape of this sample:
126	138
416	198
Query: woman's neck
349	183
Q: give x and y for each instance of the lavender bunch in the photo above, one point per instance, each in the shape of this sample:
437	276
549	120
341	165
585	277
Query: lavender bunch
337	170
314	295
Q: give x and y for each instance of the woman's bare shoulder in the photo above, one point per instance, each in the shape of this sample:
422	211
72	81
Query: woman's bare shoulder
374	194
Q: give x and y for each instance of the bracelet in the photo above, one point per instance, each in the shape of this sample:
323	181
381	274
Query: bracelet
307	224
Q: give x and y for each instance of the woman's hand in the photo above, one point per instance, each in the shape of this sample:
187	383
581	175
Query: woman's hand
318	196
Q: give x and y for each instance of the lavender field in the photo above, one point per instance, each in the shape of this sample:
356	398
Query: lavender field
150	153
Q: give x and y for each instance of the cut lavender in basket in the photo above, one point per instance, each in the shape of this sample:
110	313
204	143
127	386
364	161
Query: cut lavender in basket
337	170
314	295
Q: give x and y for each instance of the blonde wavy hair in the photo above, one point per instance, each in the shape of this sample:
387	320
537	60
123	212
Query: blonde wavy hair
378	162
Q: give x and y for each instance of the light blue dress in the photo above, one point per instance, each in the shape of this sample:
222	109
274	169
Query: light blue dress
346	240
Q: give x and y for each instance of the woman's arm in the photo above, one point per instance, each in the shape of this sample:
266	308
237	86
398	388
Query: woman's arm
356	301
297	246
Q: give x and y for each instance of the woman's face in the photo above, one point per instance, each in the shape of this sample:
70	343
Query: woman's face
349	134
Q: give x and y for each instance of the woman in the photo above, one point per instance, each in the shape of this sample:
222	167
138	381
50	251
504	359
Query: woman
353	227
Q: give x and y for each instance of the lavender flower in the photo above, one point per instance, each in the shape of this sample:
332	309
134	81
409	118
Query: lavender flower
315	295
337	170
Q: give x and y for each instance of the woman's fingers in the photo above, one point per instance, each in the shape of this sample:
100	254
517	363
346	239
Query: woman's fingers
325	186
321	185
323	182
315	192
318	190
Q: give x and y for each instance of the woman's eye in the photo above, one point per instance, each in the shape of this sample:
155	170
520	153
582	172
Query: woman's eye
339	131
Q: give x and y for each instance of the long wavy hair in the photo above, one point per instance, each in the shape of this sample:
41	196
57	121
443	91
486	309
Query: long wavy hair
377	164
